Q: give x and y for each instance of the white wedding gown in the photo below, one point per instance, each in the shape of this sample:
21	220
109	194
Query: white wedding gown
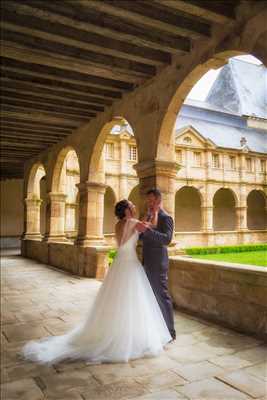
125	321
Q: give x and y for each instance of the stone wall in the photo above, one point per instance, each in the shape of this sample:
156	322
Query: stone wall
230	238
234	296
11	212
91	262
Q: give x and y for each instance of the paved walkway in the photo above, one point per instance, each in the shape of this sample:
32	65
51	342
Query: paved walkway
206	361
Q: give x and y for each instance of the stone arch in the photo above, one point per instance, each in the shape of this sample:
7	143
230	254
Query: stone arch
134	197
256	210
97	162
188	209
65	178
35	221
37	172
224	210
165	142
58	177
109	217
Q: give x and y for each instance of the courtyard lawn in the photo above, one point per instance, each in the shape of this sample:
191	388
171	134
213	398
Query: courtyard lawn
248	257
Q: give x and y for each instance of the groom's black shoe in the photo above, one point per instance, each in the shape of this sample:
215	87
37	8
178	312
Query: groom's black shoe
173	335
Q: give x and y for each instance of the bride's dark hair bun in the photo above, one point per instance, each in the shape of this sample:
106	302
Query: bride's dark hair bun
120	208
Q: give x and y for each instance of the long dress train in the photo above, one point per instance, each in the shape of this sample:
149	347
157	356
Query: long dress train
124	322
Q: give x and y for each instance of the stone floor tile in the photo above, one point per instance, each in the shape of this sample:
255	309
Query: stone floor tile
28	370
245	382
170	394
211	389
24	389
110	373
127	389
188	354
229	362
161	380
258	370
198	371
18	332
67	381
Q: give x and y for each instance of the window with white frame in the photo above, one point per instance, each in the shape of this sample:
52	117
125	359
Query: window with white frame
249	165
109	151
132	153
215	160
262	165
232	162
197	158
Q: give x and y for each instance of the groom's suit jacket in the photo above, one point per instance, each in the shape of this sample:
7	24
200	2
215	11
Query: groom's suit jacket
155	242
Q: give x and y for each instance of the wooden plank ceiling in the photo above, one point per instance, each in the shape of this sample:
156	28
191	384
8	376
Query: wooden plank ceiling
64	61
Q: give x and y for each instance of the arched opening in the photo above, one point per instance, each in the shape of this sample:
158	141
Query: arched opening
36	201
109	217
256	210
187	210
65	179
224	212
204	70
134	197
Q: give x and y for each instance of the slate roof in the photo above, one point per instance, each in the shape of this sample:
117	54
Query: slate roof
239	91
241	87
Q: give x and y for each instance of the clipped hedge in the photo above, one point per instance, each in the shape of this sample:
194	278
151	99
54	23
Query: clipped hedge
225	249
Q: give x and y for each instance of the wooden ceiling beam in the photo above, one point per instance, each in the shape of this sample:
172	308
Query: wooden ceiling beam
43	99
97	63
33	133
150	17
58	82
24	50
18	136
72	15
68	35
36	124
214	11
16	108
40	117
34	127
27	88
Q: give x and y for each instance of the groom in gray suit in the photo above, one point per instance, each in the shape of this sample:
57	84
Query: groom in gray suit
156	233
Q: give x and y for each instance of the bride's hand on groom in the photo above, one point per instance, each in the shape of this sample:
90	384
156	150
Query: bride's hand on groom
142	226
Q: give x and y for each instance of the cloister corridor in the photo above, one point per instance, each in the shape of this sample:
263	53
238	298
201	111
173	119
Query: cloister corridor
206	361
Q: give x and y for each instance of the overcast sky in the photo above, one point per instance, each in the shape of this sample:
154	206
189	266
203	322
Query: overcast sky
201	88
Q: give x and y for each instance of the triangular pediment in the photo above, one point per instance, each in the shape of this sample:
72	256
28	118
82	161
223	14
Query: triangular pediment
189	136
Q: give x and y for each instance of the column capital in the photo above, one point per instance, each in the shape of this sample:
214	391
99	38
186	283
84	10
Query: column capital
33	201
57	196
149	168
91	187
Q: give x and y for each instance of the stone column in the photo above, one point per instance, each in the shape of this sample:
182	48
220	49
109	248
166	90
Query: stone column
32	222
91	213
70	226
241	213
161	175
56	218
207	218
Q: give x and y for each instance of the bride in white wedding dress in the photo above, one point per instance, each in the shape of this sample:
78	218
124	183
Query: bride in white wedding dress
125	321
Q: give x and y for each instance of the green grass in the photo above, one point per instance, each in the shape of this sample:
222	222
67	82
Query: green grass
249	257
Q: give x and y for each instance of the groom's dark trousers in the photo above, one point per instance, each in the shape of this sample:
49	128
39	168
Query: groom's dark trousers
156	264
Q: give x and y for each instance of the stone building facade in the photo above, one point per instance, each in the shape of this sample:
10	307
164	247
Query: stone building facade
221	183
